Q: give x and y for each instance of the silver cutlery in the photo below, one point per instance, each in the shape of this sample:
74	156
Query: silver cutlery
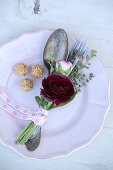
79	49
58	45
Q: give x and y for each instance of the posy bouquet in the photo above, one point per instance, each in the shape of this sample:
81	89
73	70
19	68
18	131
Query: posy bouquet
62	84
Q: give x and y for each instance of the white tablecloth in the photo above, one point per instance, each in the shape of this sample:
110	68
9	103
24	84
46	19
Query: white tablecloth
89	20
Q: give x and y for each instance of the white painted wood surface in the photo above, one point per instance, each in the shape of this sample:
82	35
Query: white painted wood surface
92	20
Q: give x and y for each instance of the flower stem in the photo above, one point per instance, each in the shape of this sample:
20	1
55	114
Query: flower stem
24	129
28	134
76	61
24	135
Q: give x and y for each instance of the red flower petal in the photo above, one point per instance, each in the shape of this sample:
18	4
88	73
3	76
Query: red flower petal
57	88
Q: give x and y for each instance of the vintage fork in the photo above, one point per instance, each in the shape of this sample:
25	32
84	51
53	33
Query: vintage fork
79	49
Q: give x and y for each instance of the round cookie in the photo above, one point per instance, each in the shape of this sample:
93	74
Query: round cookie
21	69
26	84
37	71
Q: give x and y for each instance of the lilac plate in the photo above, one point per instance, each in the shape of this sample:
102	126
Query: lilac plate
67	128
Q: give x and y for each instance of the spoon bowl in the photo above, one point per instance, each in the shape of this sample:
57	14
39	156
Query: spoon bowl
56	44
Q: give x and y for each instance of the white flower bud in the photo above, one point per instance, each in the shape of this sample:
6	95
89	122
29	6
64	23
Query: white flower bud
64	67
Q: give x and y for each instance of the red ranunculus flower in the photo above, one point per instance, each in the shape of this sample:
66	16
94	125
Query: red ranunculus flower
57	88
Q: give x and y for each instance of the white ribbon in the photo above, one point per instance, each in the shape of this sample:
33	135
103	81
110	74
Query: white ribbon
7	104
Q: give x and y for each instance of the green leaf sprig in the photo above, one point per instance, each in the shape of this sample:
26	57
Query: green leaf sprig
77	76
52	63
46	104
88	58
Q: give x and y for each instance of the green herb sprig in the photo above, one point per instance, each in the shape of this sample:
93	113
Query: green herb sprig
77	76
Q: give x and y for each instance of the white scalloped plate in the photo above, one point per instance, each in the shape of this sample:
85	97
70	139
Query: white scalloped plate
67	128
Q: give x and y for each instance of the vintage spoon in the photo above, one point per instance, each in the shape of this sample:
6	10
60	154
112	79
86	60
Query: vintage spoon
57	44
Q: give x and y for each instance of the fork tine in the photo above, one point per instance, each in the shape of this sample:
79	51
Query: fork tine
78	46
85	46
74	47
81	47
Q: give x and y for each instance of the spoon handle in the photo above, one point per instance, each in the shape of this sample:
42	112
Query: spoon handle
35	132
34	141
